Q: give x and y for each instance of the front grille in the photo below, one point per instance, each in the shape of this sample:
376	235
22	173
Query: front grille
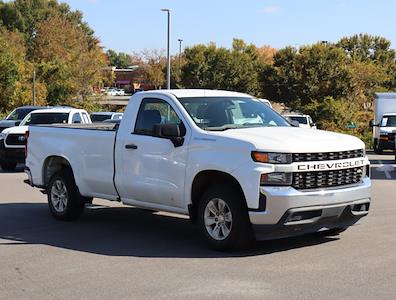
391	136
325	179
15	140
300	157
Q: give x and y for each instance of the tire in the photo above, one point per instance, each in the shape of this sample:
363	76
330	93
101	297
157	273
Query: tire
377	149
64	200
231	228
8	166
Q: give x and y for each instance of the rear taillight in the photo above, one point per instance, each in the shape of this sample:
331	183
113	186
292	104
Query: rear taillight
26	143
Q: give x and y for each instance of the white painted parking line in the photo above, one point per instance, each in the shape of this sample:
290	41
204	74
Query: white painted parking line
386	169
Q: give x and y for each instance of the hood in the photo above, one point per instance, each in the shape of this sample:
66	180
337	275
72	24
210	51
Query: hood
293	139
7	123
16	130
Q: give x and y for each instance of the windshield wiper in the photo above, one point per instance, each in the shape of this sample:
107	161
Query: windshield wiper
222	128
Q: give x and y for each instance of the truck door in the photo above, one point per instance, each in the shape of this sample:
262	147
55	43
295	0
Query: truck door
149	168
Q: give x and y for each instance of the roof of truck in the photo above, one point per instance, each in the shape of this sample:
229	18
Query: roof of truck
186	93
64	110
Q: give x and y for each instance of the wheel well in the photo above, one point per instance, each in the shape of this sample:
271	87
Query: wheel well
203	180
52	165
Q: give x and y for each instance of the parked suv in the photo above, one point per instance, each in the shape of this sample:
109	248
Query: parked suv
303	120
16	116
105	115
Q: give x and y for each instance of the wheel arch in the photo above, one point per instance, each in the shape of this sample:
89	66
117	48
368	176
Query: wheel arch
203	180
52	165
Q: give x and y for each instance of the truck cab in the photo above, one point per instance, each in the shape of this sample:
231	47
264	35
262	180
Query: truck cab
384	123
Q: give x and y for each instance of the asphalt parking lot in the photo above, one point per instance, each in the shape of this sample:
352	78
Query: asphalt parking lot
116	252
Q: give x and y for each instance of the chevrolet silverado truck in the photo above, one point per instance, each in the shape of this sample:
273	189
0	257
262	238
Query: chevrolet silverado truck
12	140
225	159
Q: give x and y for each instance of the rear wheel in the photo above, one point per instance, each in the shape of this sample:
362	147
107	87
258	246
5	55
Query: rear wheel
64	200
8	166
223	219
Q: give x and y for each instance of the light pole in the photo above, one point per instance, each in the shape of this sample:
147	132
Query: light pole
34	87
168	50
180	47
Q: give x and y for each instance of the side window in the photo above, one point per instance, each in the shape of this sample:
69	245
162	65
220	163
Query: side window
76	118
152	112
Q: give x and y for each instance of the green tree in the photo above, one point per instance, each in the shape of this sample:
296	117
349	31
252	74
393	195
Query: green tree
303	78
209	66
15	73
66	60
119	60
25	15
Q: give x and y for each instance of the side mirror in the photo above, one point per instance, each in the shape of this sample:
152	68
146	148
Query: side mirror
17	123
172	132
294	123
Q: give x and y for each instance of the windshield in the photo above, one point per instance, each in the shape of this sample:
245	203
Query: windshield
221	113
301	120
388	121
19	113
45	118
99	117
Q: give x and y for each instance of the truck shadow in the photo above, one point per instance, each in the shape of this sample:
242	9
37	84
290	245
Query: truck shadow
123	232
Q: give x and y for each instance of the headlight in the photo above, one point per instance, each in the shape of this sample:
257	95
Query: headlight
276	179
2	136
272	158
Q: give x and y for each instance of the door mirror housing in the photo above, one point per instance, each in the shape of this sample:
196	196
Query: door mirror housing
294	123
173	132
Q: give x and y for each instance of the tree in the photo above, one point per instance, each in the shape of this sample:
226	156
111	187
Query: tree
153	64
303	78
15	73
66	60
211	67
119	60
25	15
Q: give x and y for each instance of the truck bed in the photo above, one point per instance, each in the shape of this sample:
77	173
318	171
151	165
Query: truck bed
93	126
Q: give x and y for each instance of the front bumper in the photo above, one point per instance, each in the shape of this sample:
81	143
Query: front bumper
11	155
292	212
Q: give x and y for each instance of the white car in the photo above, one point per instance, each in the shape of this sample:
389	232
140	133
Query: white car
12	140
266	101
111	92
225	159
304	121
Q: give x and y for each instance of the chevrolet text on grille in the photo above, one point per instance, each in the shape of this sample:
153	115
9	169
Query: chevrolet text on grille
331	166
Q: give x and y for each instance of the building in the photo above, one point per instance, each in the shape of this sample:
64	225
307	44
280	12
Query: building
129	79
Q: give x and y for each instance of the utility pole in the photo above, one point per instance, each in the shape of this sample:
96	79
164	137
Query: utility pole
180	48
168	50
34	87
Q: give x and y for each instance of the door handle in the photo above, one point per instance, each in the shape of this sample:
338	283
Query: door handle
131	146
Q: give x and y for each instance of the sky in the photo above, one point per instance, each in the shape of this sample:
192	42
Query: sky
131	25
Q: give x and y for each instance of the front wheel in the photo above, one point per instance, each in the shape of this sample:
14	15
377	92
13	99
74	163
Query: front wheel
64	200
223	219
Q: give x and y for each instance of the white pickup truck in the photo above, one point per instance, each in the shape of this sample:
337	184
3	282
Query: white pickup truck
12	140
227	160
